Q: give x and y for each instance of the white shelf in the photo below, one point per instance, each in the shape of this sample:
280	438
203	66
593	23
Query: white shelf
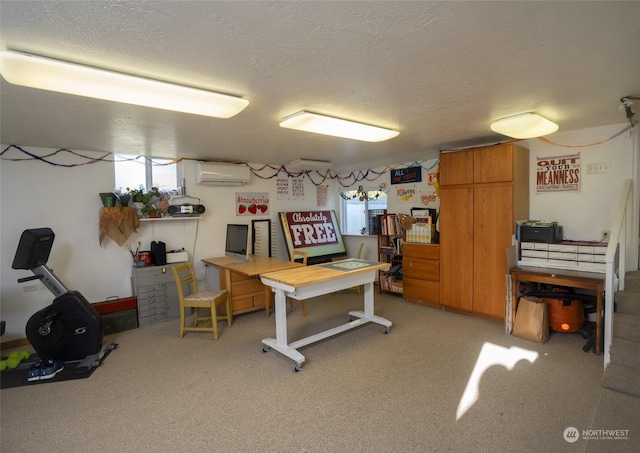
168	219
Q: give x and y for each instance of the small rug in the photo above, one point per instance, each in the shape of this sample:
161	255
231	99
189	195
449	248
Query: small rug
17	377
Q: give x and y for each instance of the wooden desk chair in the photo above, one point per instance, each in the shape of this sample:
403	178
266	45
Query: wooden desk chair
304	255
190	297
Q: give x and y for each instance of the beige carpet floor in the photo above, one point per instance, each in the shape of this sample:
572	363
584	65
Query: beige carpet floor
433	384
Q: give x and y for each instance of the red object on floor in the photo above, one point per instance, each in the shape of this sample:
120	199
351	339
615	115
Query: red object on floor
111	306
565	315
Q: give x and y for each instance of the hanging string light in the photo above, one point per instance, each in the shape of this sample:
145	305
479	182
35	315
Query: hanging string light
362	194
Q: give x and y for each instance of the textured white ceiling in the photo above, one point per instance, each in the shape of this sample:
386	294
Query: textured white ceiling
439	72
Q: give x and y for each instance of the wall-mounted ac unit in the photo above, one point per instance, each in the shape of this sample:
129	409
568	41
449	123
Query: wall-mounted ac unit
222	174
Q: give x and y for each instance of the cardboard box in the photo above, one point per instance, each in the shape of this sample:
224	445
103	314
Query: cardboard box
421	233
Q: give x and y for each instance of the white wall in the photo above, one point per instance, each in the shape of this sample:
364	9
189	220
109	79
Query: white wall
36	194
586	213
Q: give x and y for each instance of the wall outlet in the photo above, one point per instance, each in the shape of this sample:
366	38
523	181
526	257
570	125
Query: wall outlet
27	288
605	235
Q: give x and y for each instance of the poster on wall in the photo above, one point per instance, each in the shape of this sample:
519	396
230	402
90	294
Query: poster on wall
315	232
297	188
282	188
322	196
252	203
290	188
558	174
406	194
430	197
420	193
406	175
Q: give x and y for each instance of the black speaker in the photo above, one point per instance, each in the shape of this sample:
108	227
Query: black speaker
158	253
186	210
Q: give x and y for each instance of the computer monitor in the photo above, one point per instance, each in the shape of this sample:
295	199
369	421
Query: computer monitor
237	241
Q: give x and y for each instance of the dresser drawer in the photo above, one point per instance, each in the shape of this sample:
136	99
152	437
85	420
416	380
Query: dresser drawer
156	309
145	320
237	277
241	303
425	290
425	251
421	268
249	286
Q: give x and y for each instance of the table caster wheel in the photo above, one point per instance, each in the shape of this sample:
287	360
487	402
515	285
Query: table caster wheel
297	367
265	348
386	329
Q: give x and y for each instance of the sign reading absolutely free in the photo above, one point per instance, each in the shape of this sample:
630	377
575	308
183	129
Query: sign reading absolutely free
311	228
314	232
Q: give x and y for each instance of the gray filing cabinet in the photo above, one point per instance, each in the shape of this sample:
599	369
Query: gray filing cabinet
157	294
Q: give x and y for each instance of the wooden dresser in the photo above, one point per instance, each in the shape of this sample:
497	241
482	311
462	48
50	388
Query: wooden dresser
421	273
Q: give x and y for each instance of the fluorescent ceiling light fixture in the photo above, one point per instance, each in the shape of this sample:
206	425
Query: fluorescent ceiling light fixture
320	124
54	75
525	125
308	164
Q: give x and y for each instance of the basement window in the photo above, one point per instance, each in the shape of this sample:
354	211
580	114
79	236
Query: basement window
359	216
135	171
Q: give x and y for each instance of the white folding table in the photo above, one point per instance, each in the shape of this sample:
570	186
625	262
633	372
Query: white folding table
311	281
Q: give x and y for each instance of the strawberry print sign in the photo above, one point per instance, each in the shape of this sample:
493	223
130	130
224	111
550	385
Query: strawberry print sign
252	203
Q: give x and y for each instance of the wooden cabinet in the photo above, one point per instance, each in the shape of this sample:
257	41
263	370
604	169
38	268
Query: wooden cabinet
483	191
456	247
390	251
247	292
421	273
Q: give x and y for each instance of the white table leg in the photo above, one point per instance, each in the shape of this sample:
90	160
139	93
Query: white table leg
280	342
368	313
281	317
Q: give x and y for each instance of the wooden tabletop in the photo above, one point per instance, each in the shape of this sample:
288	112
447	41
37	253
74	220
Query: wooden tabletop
256	264
323	272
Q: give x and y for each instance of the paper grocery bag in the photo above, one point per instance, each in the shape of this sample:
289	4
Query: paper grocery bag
532	320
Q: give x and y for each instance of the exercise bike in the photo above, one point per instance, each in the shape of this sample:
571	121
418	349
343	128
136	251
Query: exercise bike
70	329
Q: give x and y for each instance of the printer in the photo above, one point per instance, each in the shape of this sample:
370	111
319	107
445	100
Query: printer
540	231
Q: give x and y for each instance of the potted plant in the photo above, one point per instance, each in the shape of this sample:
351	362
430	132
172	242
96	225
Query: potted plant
124	199
138	198
147	203
151	211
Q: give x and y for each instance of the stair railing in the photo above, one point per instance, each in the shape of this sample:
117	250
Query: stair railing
615	261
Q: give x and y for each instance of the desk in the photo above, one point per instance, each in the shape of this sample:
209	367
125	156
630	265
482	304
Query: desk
316	280
240	278
572	279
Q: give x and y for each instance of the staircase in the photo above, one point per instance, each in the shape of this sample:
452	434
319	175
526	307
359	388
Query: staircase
623	372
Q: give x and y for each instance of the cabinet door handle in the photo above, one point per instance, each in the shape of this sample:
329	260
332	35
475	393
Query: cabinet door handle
164	270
